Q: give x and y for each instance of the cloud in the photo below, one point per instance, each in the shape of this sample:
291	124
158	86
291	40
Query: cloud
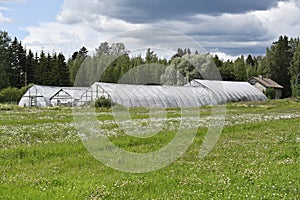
228	27
136	11
53	36
4	19
282	20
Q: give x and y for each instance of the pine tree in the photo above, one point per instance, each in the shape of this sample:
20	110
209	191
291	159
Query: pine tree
240	69
279	59
75	63
294	72
30	65
5	66
63	72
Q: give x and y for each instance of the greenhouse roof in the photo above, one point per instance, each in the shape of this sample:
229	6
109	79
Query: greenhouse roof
227	91
156	96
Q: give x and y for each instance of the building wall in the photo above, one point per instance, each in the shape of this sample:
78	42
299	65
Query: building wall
258	85
278	93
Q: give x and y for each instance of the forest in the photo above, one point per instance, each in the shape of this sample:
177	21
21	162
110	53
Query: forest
20	67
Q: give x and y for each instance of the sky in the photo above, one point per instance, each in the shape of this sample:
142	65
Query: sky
227	28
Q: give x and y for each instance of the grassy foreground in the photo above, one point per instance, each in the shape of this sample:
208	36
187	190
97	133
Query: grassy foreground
256	157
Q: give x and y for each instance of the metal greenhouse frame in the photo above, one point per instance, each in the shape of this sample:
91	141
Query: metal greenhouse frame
197	93
43	96
230	91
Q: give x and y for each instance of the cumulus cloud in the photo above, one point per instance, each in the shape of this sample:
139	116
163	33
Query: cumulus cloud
59	37
229	28
282	20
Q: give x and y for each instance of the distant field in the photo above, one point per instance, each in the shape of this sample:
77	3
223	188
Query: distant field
256	157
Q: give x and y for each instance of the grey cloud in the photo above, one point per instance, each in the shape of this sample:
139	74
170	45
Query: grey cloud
137	11
226	25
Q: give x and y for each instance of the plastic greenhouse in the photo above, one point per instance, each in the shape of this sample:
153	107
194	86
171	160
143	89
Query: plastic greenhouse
68	96
148	95
43	96
193	95
230	91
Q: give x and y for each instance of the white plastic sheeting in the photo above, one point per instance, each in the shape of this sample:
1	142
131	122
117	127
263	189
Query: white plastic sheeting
230	91
38	96
196	93
41	96
68	96
149	96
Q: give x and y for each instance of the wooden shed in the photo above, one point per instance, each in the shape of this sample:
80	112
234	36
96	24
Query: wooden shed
262	84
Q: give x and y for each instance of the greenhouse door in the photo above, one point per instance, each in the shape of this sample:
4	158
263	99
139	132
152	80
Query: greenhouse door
33	102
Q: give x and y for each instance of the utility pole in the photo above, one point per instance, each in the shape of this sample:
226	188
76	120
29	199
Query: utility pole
25	77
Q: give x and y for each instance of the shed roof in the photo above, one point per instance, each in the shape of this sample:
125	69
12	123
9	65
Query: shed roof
267	82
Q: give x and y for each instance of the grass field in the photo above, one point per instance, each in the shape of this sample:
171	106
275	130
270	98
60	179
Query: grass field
256	157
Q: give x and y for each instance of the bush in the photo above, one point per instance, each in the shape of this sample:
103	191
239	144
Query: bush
12	94
103	102
270	93
9	95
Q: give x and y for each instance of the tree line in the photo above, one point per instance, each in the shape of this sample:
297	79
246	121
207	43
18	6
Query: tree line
19	66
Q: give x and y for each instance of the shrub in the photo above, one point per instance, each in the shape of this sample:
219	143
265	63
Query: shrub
103	102
12	94
270	93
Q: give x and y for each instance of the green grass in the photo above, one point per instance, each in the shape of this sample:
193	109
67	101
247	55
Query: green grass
41	157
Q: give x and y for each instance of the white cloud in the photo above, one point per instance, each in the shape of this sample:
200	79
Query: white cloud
223	56
4	19
85	23
59	37
282	20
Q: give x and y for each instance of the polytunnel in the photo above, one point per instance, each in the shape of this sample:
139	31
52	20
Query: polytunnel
43	96
68	96
38	96
230	91
149	95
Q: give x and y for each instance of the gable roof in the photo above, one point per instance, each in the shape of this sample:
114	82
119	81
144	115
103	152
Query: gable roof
267	82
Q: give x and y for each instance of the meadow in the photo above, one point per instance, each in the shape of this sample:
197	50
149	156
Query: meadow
256	157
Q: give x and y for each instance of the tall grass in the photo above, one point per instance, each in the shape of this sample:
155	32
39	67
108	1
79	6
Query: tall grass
41	157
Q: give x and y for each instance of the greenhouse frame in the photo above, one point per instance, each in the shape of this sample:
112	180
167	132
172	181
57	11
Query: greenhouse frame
44	96
67	96
196	93
230	91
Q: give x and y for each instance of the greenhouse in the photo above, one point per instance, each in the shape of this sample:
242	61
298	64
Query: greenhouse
230	91
43	96
197	93
67	96
149	95
38	96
